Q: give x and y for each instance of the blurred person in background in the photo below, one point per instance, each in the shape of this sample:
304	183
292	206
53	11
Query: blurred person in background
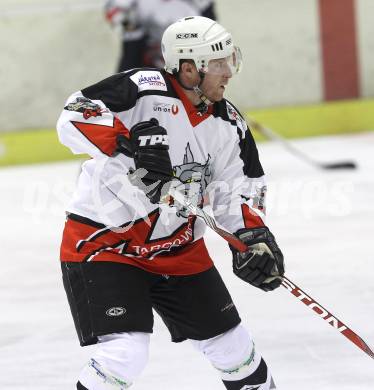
141	24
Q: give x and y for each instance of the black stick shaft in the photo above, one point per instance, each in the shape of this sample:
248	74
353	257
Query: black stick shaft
272	135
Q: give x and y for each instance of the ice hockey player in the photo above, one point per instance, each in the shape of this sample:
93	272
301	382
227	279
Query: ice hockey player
128	248
140	24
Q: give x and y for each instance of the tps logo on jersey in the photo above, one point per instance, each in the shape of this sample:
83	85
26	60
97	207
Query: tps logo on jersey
155	139
115	311
166	107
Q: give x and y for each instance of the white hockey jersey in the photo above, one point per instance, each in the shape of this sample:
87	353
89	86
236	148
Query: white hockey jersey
111	220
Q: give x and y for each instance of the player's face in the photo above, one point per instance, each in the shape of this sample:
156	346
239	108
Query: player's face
216	79
218	73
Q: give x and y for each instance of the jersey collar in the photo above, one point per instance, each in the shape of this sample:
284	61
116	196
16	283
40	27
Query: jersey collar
193	114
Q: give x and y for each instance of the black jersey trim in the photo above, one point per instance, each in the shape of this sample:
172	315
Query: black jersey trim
249	154
252	167
104	248
119	93
155	92
84	220
220	111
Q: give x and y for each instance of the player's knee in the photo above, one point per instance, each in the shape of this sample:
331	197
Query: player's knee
227	349
118	361
124	353
234	355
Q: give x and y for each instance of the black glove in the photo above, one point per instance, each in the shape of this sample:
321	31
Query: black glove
148	145
262	265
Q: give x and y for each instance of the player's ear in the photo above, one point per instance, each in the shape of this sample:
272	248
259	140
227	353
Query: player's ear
188	69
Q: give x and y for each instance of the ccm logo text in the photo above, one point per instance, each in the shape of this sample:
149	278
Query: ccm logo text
187	35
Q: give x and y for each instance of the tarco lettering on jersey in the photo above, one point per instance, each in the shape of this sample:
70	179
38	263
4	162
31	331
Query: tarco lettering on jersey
166	107
182	239
149	79
314	306
153	139
140	240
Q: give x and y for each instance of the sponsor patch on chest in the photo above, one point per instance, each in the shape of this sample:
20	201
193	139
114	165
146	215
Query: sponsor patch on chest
167	108
149	79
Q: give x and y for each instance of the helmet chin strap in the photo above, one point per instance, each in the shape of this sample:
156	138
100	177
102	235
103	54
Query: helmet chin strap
205	102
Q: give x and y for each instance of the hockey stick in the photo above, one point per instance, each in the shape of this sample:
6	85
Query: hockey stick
272	135
290	286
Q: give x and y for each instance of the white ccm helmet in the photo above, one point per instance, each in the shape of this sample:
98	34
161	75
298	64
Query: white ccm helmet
199	39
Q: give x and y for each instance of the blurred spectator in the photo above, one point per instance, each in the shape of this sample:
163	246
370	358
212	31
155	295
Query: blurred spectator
141	24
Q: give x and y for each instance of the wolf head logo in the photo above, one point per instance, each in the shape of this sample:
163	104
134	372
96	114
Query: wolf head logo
194	176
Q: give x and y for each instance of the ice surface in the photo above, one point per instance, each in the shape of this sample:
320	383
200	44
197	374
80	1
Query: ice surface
323	220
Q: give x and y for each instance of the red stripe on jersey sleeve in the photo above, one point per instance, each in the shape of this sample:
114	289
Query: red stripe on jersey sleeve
102	136
251	219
